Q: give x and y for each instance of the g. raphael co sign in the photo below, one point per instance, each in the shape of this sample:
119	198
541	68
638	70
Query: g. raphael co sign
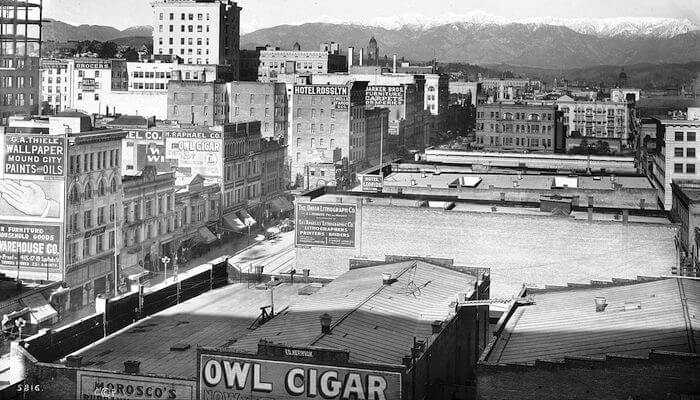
237	377
94	385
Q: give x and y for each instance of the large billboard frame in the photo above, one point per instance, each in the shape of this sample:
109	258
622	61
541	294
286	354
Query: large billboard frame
390	371
298	228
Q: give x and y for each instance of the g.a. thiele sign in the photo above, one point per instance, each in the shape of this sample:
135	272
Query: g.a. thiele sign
236	377
321	90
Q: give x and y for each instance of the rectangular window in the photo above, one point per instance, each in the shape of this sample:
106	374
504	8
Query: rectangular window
690	152
691	136
86	247
678	168
100	216
99	243
87	219
678	152
690	168
679	136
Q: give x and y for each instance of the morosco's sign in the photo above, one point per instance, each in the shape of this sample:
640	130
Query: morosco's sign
329	225
95	385
321	90
234	377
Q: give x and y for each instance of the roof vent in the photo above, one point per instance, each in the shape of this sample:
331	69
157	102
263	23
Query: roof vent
387	278
437	326
131	366
600	304
180	347
632	305
74	361
326	320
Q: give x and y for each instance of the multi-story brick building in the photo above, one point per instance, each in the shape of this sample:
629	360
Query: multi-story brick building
199	103
198	207
686	211
198	31
377	134
676	155
91	84
56	84
326	118
274	62
150	220
260	101
595	120
517	126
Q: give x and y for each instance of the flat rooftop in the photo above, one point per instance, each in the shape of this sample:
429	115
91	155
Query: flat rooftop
525	181
374	322
536	249
212	319
565	323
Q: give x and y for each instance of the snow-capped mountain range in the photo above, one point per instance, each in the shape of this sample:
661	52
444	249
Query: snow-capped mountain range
602	27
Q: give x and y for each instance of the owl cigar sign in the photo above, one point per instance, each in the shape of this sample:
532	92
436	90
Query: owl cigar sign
232	376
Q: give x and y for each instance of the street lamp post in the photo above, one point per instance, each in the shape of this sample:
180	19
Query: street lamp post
247	223
165	260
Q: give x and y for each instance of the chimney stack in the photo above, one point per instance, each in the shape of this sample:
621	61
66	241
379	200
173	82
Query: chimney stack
394	69
362	55
326	320
437	326
387	279
351	53
600	304
74	361
131	366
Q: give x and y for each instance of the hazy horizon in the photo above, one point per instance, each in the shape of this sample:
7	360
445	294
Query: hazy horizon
262	14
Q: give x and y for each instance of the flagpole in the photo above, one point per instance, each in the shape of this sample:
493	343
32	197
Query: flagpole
381	141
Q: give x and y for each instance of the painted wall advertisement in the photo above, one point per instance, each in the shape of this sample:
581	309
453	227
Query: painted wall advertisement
384	96
326	225
139	145
105	385
195	153
237	377
32	205
394	127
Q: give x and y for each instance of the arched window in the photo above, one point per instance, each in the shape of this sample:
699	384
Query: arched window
431	88
113	185
101	188
88	191
74	196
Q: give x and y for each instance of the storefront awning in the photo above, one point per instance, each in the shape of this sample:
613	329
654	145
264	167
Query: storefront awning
39	308
134	272
281	204
206	235
233	223
246	218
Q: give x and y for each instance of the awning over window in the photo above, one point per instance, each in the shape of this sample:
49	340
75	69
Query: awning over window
134	272
39	308
233	223
246	218
281	204
206	235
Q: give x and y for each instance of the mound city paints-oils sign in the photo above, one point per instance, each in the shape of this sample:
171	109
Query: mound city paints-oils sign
234	377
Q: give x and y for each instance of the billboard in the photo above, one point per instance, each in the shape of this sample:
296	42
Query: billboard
372	183
384	96
35	249
32	204
105	385
195	155
238	377
326	225
321	90
394	127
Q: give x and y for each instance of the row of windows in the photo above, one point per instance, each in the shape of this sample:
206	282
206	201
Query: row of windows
190	41
321	113
94	161
241	171
88	221
190	16
237	98
321	143
236	196
689	152
58	71
17	99
188	28
510	128
89	249
515	141
689	168
134	211
516	116
150	230
689	136
149	86
16	82
88	193
312	128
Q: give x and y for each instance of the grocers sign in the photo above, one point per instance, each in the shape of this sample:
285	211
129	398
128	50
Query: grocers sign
235	377
95	385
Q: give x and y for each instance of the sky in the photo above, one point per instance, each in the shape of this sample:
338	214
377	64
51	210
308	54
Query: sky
257	14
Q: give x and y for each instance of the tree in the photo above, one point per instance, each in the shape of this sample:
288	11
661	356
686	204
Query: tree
107	50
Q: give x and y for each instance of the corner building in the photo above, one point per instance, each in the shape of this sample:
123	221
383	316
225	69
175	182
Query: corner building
328	127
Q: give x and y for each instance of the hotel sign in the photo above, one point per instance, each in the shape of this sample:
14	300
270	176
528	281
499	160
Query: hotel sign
223	376
372	183
321	90
326	225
